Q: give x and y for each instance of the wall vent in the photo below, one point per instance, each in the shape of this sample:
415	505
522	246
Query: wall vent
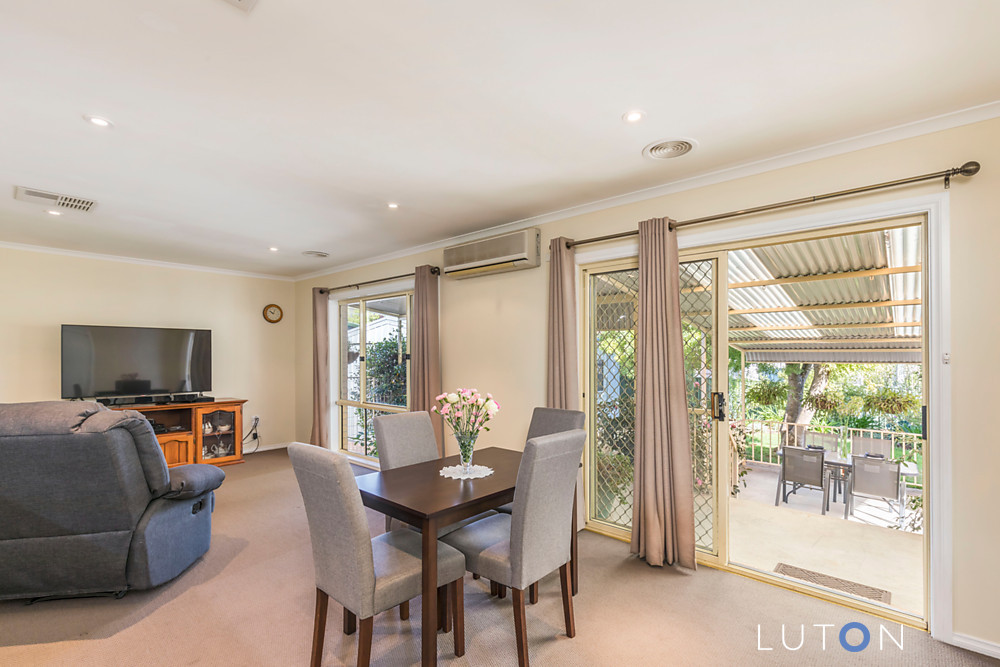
53	199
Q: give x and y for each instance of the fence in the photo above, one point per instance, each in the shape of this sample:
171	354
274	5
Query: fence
764	438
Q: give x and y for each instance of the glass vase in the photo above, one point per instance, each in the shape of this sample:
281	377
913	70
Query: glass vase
466	443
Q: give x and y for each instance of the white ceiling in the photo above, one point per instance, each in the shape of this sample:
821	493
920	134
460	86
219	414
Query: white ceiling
293	126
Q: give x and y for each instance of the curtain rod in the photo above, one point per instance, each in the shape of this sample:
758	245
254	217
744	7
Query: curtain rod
326	290
967	169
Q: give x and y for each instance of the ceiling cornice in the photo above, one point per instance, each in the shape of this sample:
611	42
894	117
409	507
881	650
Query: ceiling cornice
918	128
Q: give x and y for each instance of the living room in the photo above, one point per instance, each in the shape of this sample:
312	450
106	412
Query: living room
127	264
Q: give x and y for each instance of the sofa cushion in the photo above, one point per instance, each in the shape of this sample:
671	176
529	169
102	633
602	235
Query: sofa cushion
46	417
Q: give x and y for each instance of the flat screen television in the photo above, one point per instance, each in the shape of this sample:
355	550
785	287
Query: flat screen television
100	361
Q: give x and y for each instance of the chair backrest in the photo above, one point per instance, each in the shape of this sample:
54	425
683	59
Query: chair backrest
861	446
543	505
875	477
803	466
828	441
404	439
338	527
546	421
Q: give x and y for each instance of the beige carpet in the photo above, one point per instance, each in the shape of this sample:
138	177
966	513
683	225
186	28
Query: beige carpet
249	601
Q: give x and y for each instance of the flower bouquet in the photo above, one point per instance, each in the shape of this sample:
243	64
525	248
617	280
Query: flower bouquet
466	411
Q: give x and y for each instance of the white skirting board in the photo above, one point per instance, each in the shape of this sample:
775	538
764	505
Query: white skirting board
975	644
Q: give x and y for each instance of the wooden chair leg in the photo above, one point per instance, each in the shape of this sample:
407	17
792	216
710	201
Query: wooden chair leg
494	589
442	608
501	591
520	632
365	642
475	576
458	611
404	611
319	628
446	626
564	581
350	622
533	593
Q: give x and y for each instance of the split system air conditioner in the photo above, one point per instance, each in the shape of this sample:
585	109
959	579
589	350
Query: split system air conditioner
507	252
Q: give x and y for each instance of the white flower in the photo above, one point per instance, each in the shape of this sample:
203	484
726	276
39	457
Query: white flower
451	398
491	407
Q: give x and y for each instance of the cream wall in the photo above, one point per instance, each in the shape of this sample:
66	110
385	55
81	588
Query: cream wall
250	358
493	328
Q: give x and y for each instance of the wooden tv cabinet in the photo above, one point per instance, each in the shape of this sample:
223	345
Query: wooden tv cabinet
207	432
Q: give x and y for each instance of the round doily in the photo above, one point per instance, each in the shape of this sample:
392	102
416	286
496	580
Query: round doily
456	472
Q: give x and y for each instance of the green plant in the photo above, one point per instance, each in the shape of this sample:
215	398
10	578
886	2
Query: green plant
767	392
889	401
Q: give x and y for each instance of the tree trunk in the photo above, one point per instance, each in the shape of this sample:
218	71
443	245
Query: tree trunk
821	375
796	374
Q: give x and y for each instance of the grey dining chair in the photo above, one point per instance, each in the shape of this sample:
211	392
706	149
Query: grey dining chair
875	478
829	442
802	467
518	549
864	446
406	438
366	576
546	421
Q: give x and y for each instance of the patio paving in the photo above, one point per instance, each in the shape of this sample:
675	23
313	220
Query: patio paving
863	549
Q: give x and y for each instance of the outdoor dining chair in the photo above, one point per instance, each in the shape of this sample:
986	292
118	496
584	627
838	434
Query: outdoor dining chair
864	446
366	575
518	549
876	478
829	442
801	467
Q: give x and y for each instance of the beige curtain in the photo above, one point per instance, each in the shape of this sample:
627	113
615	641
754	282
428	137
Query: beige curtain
663	498
562	388
321	368
425	347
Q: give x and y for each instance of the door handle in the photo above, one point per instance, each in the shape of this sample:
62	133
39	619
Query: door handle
718	406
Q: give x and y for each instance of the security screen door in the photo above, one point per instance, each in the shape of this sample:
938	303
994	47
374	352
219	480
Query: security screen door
612	308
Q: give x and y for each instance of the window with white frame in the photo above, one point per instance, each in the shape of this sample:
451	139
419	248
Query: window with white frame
374	365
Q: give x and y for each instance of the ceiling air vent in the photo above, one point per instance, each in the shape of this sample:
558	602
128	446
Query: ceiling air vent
53	199
664	150
318	254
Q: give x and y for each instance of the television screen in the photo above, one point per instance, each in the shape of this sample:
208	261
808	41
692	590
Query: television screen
134	361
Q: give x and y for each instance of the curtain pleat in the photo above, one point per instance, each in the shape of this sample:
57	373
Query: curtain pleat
425	348
321	368
562	389
663	498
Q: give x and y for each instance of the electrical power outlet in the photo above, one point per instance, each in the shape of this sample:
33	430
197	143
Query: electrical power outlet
255	418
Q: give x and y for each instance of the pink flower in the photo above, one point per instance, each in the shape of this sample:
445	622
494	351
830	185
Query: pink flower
445	409
440	397
458	413
434	408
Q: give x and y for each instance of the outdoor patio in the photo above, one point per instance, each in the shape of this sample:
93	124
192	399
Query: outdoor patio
866	549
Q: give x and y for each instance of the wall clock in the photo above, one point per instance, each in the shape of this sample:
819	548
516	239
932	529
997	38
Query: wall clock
273	313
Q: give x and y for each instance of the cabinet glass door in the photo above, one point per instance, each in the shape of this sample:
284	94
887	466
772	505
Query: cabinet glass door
218	434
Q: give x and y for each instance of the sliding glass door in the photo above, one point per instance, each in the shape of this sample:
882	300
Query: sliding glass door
611	312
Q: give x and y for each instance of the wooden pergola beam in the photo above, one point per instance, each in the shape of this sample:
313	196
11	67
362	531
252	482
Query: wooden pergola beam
741	342
826	306
798	327
867	273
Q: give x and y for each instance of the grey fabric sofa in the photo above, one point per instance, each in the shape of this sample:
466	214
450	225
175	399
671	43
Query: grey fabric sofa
87	504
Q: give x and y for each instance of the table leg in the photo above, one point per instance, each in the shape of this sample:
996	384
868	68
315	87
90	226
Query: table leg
428	599
573	551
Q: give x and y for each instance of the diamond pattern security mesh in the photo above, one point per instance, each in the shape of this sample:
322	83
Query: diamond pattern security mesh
614	306
697	319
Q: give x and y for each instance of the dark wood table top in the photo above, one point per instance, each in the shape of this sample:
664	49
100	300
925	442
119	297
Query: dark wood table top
419	491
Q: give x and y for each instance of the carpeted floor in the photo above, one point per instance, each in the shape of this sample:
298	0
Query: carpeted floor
249	601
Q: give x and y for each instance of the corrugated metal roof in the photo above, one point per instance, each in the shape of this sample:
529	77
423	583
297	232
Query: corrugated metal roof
901	247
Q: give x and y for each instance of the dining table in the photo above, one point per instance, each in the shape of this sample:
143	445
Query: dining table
420	496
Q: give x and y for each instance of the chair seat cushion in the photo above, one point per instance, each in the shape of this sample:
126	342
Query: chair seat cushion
397	559
506	509
486	545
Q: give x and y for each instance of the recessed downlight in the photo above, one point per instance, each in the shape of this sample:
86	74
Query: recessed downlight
273	249
393	204
318	254
664	150
633	116
99	121
51	212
